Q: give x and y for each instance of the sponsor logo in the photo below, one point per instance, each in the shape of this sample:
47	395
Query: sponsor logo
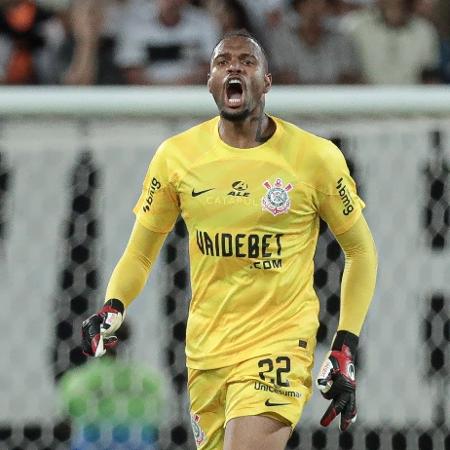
267	264
258	386
154	186
239	189
239	245
110	318
326	369
269	403
231	200
351	371
346	198
199	434
197	193
276	200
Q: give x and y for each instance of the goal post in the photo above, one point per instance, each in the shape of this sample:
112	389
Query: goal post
72	161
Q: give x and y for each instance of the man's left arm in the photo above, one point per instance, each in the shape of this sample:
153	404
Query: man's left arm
360	271
336	379
341	207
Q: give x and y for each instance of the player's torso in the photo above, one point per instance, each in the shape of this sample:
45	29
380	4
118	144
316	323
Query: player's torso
246	208
253	226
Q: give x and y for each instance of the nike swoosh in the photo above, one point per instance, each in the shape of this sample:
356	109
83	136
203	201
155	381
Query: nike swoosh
195	194
269	403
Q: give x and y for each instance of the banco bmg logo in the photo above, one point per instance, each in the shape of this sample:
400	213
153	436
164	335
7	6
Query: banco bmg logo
154	186
346	198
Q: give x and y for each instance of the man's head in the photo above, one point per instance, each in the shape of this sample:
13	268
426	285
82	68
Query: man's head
169	11
239	76
311	10
396	13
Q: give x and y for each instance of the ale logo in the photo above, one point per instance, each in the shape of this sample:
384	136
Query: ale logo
239	189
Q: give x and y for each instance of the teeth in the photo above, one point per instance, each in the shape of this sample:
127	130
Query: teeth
234	81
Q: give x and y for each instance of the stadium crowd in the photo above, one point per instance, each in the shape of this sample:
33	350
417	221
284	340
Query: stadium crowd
140	42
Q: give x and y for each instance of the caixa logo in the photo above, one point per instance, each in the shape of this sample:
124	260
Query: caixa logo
346	198
239	189
154	186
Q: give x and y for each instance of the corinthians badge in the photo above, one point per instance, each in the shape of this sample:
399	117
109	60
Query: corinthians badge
276	200
199	434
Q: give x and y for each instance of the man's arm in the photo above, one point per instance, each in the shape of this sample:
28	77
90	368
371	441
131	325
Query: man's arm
336	379
360	271
132	271
126	282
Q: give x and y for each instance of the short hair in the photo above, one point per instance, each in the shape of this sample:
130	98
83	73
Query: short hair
243	33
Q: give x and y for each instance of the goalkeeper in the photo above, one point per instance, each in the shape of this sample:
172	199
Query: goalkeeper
251	189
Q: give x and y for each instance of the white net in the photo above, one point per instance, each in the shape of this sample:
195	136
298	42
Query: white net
67	187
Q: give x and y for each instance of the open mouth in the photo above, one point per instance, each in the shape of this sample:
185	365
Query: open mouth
234	93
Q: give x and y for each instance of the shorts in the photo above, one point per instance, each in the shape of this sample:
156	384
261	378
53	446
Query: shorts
276	385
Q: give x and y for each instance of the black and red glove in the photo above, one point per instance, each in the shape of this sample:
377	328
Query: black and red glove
97	330
337	382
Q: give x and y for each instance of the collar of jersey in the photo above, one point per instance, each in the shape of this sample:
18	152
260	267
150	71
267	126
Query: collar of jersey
269	143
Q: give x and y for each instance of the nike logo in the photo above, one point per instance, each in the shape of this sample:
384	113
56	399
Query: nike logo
195	194
269	403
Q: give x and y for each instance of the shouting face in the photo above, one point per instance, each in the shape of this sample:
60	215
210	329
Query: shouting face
238	77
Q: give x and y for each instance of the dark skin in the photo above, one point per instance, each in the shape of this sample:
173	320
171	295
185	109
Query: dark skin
244	125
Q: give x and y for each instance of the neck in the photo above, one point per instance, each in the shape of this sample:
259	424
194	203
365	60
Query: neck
248	133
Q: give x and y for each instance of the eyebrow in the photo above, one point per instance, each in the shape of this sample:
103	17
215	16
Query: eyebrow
241	55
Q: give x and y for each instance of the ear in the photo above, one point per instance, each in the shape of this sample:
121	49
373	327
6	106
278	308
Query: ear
208	82
267	82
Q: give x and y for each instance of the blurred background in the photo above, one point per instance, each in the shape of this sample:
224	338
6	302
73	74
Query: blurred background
89	89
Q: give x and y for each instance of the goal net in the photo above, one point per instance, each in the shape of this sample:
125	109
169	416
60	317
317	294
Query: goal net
70	173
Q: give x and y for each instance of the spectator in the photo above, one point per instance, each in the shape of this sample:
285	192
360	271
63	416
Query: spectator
442	14
310	50
230	15
165	42
395	45
29	38
265	17
425	9
338	8
87	56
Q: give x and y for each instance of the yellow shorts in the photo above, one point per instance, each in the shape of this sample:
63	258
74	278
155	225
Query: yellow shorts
276	385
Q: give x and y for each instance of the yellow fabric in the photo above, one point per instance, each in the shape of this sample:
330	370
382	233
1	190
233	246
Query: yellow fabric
133	268
251	240
358	281
248	389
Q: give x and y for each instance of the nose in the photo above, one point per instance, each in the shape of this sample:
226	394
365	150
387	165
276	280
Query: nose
235	66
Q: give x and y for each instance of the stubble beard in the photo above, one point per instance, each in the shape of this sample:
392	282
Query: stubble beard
237	116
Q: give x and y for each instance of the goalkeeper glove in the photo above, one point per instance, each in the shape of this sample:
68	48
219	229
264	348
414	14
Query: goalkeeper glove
97	330
336	380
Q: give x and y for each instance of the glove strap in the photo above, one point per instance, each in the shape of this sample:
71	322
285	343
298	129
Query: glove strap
113	305
345	338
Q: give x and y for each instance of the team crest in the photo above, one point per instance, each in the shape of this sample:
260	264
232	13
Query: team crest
199	434
276	200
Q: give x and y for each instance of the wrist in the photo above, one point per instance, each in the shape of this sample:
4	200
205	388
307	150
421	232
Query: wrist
345	338
114	304
112	314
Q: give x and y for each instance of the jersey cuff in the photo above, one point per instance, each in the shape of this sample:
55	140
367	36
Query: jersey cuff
150	227
343	228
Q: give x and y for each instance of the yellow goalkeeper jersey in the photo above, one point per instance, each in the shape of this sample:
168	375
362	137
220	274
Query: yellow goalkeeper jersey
253	221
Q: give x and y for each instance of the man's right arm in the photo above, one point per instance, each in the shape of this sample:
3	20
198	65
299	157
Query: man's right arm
156	212
126	282
132	271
